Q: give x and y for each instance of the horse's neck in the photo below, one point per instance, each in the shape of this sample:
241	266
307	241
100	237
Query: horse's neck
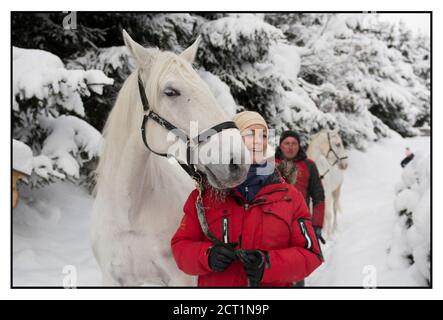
132	179
141	182
332	175
161	186
315	154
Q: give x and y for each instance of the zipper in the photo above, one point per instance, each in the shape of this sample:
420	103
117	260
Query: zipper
225	229
305	234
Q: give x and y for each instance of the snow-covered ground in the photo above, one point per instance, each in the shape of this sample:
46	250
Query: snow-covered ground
51	234
359	248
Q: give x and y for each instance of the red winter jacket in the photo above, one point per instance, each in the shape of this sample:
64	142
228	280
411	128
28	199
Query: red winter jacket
276	221
308	182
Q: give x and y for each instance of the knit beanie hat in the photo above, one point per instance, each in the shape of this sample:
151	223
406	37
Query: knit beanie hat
289	133
246	119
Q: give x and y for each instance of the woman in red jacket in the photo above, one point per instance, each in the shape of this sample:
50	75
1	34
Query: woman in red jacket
264	223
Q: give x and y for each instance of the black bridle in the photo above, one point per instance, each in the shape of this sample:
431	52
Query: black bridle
337	157
188	166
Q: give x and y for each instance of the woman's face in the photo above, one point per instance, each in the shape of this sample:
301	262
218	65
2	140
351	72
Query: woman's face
255	138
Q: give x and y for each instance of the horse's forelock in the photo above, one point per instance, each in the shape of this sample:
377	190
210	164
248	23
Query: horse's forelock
163	64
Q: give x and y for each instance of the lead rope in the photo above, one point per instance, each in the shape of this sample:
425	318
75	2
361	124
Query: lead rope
241	253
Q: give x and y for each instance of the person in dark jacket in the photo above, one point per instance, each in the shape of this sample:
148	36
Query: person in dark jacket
300	171
408	158
264	223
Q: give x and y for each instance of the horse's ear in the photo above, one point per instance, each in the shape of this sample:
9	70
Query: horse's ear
190	53
143	56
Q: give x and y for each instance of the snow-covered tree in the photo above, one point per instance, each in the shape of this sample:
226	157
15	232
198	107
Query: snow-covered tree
410	248
300	71
261	68
355	68
48	113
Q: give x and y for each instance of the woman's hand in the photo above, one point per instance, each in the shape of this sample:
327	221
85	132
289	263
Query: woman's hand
220	257
254	262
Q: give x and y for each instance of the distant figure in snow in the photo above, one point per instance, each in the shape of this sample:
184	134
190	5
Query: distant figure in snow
408	158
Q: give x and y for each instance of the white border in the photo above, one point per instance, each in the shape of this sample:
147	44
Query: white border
214	294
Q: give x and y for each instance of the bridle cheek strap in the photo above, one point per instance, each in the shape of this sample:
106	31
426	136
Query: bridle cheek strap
201	138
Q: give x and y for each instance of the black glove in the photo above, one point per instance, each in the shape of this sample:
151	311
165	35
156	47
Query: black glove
254	262
220	257
317	231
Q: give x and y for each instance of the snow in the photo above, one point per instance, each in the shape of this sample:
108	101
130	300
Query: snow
22	157
43	167
50	227
221	92
69	136
51	233
286	59
229	30
360	65
41	74
106	59
412	204
368	224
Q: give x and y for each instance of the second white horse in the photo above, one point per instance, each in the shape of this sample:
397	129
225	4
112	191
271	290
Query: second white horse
327	151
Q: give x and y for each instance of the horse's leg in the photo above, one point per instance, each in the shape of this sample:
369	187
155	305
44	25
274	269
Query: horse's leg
337	207
328	214
336	195
108	280
170	274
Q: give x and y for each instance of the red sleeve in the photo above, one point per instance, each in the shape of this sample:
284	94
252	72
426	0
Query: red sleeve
189	244
318	214
317	194
302	257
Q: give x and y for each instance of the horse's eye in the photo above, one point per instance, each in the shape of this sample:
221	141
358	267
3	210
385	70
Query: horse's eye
170	92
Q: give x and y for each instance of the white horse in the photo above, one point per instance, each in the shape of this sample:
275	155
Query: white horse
140	195
327	151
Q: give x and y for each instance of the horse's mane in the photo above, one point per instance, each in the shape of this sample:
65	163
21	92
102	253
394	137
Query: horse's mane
118	126
314	137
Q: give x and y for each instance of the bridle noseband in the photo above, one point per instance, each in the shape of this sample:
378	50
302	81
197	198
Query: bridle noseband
202	137
337	158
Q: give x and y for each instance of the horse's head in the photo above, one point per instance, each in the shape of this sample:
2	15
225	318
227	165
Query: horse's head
334	149
177	94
